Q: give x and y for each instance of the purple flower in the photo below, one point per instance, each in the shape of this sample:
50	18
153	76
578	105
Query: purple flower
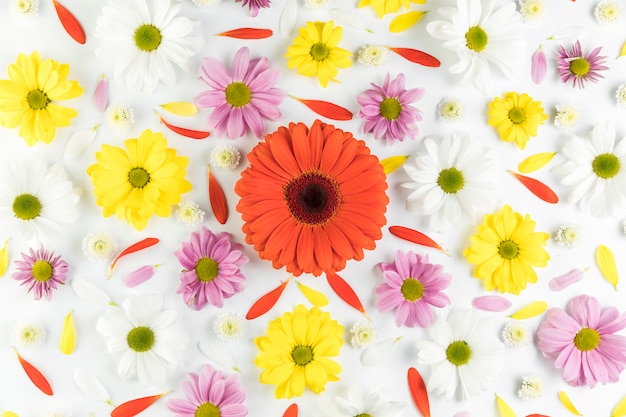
210	269
41	272
240	101
573	65
254	5
582	341
210	394
386	110
412	285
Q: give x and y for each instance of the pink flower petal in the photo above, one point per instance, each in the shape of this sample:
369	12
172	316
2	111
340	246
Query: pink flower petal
140	275
101	95
539	66
564	281
491	303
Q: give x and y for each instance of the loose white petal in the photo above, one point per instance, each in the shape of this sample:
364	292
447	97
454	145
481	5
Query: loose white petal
91	386
90	292
347	18
376	354
288	18
218	354
79	142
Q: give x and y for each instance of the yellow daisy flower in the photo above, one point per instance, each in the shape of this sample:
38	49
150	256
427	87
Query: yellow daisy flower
516	117
295	351
315	52
28	98
506	249
145	179
382	7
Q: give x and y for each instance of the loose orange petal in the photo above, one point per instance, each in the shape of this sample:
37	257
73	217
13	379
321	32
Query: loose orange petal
537	188
70	23
247	33
537	415
267	301
345	292
193	134
217	198
142	244
34	375
418	57
415	237
326	109
291	411
133	407
417	387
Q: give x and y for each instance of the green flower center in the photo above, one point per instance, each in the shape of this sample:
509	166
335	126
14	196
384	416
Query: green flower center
140	339
390	108
207	410
147	38
302	355
206	269
508	249
451	180
458	353
363	415
138	177
42	270
37	99
476	38
412	289
606	165
26	207
587	339
319	51
517	115
238	94
579	67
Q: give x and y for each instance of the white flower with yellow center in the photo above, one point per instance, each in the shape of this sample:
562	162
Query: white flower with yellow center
532	387
566	115
620	95
373	55
25	7
315	4
99	247
205	3
229	326
532	11
363	334
607	11
568	235
516	334
225	157
28	334
360	403
450	109
120	117
190	213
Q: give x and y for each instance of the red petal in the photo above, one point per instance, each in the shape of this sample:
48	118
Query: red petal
326	109
247	33
417	387
35	376
291	411
537	188
415	237
193	134
70	23
267	301
142	244
345	291
217	199
133	407
418	57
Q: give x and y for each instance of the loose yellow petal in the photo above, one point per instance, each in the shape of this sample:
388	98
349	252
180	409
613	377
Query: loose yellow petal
535	162
393	162
531	310
180	108
68	336
504	409
4	258
315	297
620	409
404	21
622	51
9	414
606	262
568	403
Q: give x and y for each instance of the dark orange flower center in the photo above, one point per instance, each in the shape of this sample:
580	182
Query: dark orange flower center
312	198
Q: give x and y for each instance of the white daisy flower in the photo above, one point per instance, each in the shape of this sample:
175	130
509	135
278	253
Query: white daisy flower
229	326
566	115
315	4
532	387
373	55
607	11
620	95
568	235
225	157
28	334
99	247
205	3
145	336
358	402
450	109
452	179
190	213
38	200
25	7
595	171
120	117
145	39
363	334
464	353
532	11
481	34
516	334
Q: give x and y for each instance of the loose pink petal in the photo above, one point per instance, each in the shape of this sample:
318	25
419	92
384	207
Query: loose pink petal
101	95
539	66
462	414
140	275
491	303
564	281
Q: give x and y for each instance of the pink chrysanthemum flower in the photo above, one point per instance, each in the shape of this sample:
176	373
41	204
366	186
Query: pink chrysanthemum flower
387	112
41	272
582	341
412	286
210	269
254	5
242	100
573	65
210	393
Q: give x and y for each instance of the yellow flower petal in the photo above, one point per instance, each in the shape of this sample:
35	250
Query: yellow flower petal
68	336
4	258
606	262
565	400
530	310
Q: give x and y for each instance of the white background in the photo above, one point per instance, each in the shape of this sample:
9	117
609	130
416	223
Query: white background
45	34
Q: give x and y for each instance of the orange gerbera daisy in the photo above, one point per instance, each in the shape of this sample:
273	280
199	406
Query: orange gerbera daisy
312	198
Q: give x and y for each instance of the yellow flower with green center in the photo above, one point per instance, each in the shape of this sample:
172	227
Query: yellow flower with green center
28	99
382	7
516	117
505	250
315	52
295	352
145	179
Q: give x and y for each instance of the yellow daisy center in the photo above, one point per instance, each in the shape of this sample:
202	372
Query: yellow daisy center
319	51
458	353
206	269
42	271
451	180
390	108
412	289
140	339
517	115
302	355
363	415
148	37
579	67
587	339
37	99
26	207
138	177
238	94
606	165
508	249
207	410
476	38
